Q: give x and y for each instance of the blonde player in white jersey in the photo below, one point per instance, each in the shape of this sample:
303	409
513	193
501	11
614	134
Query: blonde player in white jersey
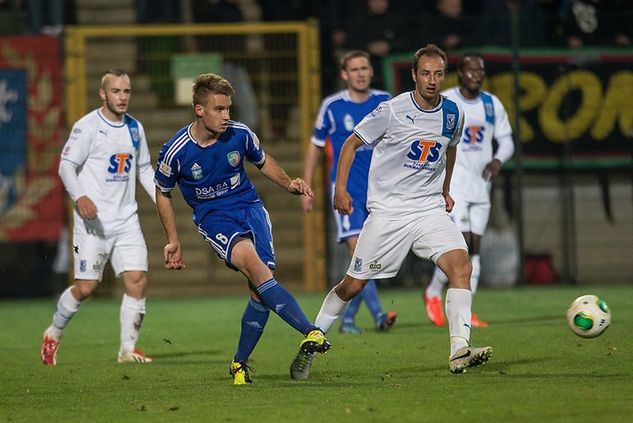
475	167
99	166
415	137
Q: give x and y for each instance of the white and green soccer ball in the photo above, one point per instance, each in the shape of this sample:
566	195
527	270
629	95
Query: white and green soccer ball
588	316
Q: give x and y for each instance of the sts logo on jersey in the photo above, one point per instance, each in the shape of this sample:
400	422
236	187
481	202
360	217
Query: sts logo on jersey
473	134
423	153
120	163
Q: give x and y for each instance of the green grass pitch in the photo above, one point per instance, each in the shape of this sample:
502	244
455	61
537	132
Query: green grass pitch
540	371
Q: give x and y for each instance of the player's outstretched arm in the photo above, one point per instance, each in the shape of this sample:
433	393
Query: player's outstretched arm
275	173
172	253
451	156
342	200
312	160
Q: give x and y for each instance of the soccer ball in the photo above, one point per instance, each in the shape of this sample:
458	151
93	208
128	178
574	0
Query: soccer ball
588	316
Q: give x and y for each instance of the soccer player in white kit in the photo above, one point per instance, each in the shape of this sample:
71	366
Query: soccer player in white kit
415	137
475	167
105	152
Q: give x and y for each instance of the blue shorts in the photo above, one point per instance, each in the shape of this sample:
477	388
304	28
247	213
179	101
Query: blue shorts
348	226
222	228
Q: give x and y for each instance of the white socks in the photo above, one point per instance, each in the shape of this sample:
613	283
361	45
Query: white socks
67	306
132	314
474	276
438	282
458	303
331	309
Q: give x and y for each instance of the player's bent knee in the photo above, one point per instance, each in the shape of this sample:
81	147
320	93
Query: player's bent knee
83	289
349	288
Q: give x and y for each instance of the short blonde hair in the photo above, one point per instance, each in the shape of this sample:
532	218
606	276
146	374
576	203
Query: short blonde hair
113	72
210	83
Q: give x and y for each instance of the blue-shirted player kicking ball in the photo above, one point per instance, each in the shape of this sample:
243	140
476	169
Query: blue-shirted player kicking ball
206	160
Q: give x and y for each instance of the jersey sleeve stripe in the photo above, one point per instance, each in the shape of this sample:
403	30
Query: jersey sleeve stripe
317	142
175	148
361	137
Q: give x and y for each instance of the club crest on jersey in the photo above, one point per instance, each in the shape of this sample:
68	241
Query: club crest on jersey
234	158
348	122
358	264
450	121
196	171
490	111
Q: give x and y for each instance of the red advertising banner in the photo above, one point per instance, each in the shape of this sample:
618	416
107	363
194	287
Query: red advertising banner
579	98
31	193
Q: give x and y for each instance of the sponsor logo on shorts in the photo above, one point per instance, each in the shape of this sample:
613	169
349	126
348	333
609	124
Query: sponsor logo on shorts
196	171
375	266
82	265
98	265
358	264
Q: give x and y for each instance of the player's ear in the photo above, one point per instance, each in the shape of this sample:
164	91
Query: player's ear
198	110
413	74
102	94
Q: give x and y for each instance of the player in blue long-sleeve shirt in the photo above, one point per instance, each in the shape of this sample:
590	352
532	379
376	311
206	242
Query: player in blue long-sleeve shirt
206	160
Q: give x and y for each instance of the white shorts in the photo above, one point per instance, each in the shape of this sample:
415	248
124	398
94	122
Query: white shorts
125	251
383	244
471	217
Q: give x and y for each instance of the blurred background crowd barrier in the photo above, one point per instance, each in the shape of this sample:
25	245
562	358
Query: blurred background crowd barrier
562	208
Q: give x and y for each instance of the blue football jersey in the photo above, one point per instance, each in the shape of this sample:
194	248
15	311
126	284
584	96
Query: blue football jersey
210	178
337	117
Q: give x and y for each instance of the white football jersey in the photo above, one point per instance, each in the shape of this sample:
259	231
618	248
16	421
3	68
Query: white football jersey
481	125
107	155
408	165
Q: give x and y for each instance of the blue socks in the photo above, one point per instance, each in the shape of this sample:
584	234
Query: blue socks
369	294
354	305
253	322
279	300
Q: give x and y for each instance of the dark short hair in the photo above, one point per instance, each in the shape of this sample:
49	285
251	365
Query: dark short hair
354	54
429	50
210	83
466	56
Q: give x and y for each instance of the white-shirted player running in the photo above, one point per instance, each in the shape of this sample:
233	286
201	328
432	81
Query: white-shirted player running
415	137
475	167
99	164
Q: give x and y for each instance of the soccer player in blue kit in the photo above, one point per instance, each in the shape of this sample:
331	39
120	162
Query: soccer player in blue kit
337	116
206	160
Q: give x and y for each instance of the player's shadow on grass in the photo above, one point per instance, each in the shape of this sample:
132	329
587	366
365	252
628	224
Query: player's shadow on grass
527	320
166	358
318	381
